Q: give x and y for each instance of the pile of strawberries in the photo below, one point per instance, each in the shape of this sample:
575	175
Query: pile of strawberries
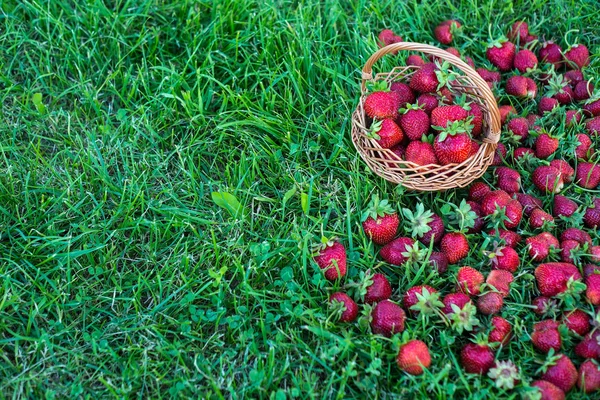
523	201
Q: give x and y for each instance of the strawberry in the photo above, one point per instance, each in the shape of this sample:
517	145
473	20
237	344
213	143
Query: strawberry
505	111
573	77
588	175
545	145
413	357
595	253
500	280
543	305
521	86
479	222
350	308
415	60
547	179
470	62
547	104
382	105
592	108
584	148
490	303
573	117
443	33
539	246
424	224
577	321
514	214
525	60
331	258
538	217
478	190
469	280
392	252
438	261
547	391
457	299
559	89
566	171
497	198
442	116
387	37
528	202
593	126
519	32
453	145
386	133
379	290
387	318
501	331
420	153
561	372
505	374
509	180
477	121
552	278
589	347
455	246
380	221
591	218
592	292
583	90
499	154
501	54
551	53
428	102
566	246
505	258
577	235
532	120
577	56
588	379
510	238
414	122
590	269
520	152
399	150
406	94
519	127
546	336
489	76
421	298
476	358
425	79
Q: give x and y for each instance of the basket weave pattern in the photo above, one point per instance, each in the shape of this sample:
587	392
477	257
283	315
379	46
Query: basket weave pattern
388	165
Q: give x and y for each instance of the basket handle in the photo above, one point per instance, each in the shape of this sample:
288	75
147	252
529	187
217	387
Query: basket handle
493	136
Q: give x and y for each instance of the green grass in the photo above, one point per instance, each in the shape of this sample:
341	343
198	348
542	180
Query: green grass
121	277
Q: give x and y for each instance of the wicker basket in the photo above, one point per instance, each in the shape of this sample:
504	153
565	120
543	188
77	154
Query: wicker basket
432	177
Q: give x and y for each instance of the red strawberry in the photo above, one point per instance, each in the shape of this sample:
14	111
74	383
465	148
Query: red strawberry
547	179
592	108
545	145
458	299
543	305
577	56
583	90
589	377
546	336
387	318
595	253
566	247
410	299
577	235
573	117
382	105
588	175
562	373
386	133
470	62
521	86
510	238
519	127
532	120
501	331
589	346
528	202
591	218
577	321
573	77
519	32
438	261
453	145
505	111
406	94
584	149
350	307
387	37
499	154
592	292
392	252
477	121
414	122
428	102
398	150
380	221
469	280
559	89
501	54
490	303
538	217
593	126
563	206
425	80
420	153
415	59
500	280
443	33
548	391
547	104
497	198
505	258
552	278
525	60
413	357
424	224
476	358
478	190
379	290
442	116
514	213
331	258
479	222
455	246
551	53
509	180
489	76
539	246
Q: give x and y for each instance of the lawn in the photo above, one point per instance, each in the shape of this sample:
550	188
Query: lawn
165	167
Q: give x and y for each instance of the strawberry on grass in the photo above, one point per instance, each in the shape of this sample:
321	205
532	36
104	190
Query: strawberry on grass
456	246
501	54
591	218
424	225
477	357
545	336
380	221
560	371
348	307
588	379
330	256
545	391
413	357
490	303
577	321
547	179
387	318
501	331
554	278
500	280
396	251
469	280
376	288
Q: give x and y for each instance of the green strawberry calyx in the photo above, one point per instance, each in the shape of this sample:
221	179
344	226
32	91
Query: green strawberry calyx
428	303
377	208
375	128
505	374
498	42
414	252
550	361
418	221
324	244
463	319
454	128
463	101
445	74
556	85
409	107
378	86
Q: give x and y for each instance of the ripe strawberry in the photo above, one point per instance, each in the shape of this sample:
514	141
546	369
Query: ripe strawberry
584	149
331	258
380	221
577	235
510	238
520	152
425	80
497	198
479	222
538	217
379	290
415	59
414	122
505	111
505	258
548	391
398	150
577	321
521	86
501	54
424	224
455	246
392	252
489	76
552	278
387	37
539	246
589	347
458	299
501	331
546	336
562	373
547	104
547	179
469	281
543	305
595	254
410	299
499	154
519	127
478	190
407	96
428	102
567	172
592	292
413	357
588	175
593	126
528	202
382	105
573	77
420	153
559	89
532	120
386	133
592	108
509	180
453	145
442	116
588	379
583	90
514	214
519	32
566	246
387	318
545	145
577	56
591	218
500	280
573	117
443	33
525	60
438	261
477	121
551	53
350	307
476	358
470	62
490	303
